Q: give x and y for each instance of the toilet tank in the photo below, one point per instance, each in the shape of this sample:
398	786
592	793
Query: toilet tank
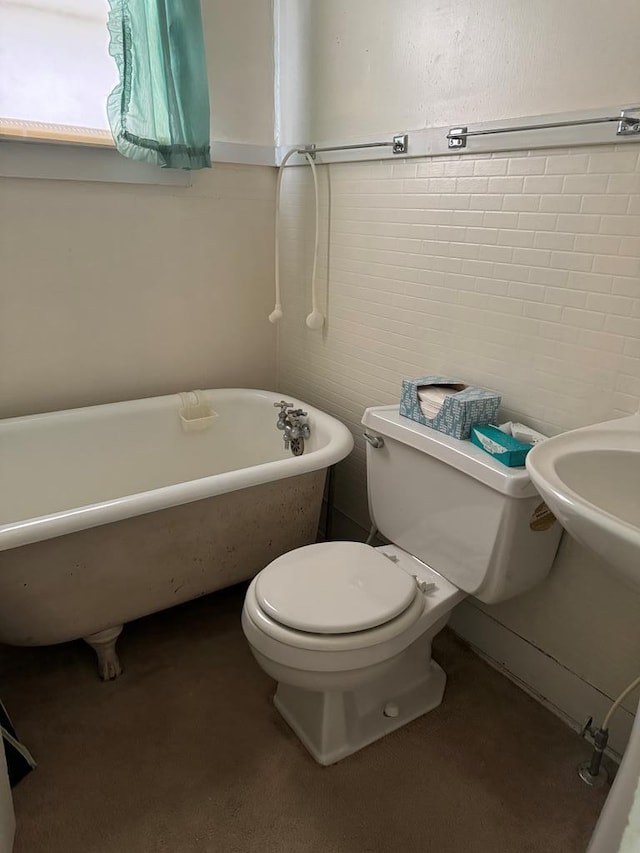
478	523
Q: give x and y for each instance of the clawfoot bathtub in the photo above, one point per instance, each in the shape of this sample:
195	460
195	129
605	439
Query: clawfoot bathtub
109	513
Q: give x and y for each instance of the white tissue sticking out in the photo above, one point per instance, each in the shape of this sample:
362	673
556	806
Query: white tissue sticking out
432	397
526	434
489	445
523	433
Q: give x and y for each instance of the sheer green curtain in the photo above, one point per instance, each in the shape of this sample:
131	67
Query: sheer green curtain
159	111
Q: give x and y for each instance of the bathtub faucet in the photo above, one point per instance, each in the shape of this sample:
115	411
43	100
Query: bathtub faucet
294	430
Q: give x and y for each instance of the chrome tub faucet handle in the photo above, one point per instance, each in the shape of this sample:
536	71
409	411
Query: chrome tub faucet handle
282	414
294	431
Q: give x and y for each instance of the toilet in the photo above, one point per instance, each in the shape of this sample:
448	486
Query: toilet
346	629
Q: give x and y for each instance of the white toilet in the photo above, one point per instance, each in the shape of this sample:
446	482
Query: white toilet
346	629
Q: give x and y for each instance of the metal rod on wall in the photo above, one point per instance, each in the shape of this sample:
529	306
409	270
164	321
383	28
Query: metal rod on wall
627	125
399	145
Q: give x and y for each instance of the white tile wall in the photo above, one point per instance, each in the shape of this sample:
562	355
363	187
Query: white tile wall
519	272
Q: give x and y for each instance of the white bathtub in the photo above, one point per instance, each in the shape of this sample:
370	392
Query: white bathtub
109	513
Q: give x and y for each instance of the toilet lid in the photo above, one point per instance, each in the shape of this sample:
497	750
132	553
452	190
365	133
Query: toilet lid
334	588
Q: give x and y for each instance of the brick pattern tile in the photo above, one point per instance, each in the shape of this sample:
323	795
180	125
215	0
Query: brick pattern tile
515	272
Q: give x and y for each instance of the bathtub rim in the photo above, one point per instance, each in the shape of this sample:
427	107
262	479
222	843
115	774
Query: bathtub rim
38	528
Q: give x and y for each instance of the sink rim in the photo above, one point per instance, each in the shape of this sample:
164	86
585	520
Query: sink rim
618	435
579	495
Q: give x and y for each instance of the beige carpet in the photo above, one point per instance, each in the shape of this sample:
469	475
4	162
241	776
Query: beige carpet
186	753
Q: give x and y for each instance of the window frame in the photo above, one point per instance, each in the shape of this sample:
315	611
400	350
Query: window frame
76	161
37	148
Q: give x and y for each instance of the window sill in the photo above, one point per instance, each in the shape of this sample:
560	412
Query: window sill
77	160
58	134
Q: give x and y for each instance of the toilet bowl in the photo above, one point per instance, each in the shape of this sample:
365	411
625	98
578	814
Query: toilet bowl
346	629
357	664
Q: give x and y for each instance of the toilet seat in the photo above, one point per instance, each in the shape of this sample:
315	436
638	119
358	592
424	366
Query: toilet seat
321	651
334	588
275	644
276	634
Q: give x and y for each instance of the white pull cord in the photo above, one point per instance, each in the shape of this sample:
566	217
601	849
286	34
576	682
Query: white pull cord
276	314
315	320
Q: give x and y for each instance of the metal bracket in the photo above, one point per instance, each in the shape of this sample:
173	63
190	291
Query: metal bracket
400	143
629	125
311	151
457	137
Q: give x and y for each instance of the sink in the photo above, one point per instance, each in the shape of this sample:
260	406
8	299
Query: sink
590	479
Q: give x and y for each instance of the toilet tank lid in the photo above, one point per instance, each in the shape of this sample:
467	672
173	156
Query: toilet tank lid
463	455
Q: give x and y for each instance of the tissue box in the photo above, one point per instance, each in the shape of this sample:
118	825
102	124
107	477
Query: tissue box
505	448
459	412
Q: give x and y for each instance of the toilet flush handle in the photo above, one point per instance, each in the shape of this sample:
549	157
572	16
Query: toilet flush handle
376	441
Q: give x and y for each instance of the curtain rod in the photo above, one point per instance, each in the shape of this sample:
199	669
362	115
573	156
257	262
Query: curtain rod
627	125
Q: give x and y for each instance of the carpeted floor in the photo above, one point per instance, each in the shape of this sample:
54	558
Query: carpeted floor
186	753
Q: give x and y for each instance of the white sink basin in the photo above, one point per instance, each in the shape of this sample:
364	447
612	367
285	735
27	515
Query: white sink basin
590	479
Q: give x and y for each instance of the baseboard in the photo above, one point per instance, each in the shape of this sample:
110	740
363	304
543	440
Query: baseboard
557	688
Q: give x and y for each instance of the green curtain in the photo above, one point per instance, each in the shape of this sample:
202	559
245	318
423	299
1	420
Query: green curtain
159	111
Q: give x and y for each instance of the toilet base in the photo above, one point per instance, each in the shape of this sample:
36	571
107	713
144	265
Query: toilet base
333	725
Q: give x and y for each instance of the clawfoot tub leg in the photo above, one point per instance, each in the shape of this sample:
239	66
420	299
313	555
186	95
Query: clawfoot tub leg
104	645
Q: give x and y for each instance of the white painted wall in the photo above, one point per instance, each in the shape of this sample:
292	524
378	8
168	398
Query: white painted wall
376	66
112	291
240	58
514	271
293	27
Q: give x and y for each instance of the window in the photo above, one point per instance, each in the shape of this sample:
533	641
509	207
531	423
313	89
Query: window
55	70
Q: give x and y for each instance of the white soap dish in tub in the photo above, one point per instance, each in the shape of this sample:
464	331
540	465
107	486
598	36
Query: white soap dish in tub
195	413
